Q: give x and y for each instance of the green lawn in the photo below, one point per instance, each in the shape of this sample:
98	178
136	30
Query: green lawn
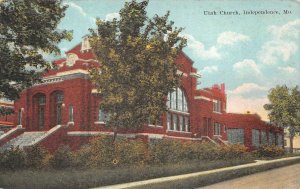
86	178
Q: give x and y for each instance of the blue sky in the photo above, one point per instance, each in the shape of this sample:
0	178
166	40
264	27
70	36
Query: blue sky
249	53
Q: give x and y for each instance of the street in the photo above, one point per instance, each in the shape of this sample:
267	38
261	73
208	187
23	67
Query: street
282	178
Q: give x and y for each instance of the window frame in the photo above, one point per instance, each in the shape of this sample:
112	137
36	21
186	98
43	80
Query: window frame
217	129
178	116
217	106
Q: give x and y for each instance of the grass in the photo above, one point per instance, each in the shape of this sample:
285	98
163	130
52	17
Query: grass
86	178
200	181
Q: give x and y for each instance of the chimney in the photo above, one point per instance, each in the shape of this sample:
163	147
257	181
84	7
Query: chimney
223	88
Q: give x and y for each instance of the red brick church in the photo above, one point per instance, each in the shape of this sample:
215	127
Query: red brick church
65	109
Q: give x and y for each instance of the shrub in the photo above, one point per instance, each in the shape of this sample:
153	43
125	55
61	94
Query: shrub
35	156
208	151
13	159
62	158
233	151
82	156
104	152
46	162
269	151
166	150
101	152
130	152
190	150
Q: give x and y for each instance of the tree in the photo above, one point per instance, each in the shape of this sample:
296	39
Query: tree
27	29
284	109
137	71
6	110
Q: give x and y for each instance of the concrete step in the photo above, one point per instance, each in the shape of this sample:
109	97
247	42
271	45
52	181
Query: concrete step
24	139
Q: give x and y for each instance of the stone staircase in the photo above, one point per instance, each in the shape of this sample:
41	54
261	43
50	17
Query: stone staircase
220	141
25	139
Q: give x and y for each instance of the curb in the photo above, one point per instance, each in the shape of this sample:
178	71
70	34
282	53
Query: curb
243	169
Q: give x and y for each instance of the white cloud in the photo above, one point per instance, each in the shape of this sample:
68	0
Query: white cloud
246	66
287	69
81	11
198	48
213	52
230	38
246	88
274	51
283	45
290	29
239	104
77	7
209	69
111	16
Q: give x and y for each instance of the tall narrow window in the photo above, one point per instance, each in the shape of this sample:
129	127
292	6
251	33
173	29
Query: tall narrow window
185	108
59	102
175	123
255	137
173	100
179	100
217	106
181	123
169	101
71	112
187	124
38	111
217	129
263	137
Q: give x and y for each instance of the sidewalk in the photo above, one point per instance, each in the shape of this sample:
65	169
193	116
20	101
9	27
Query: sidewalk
258	163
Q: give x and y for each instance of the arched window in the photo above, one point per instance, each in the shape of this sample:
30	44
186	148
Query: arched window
177	101
178	116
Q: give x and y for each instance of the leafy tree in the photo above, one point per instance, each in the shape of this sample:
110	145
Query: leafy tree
284	109
6	110
27	29
137	56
